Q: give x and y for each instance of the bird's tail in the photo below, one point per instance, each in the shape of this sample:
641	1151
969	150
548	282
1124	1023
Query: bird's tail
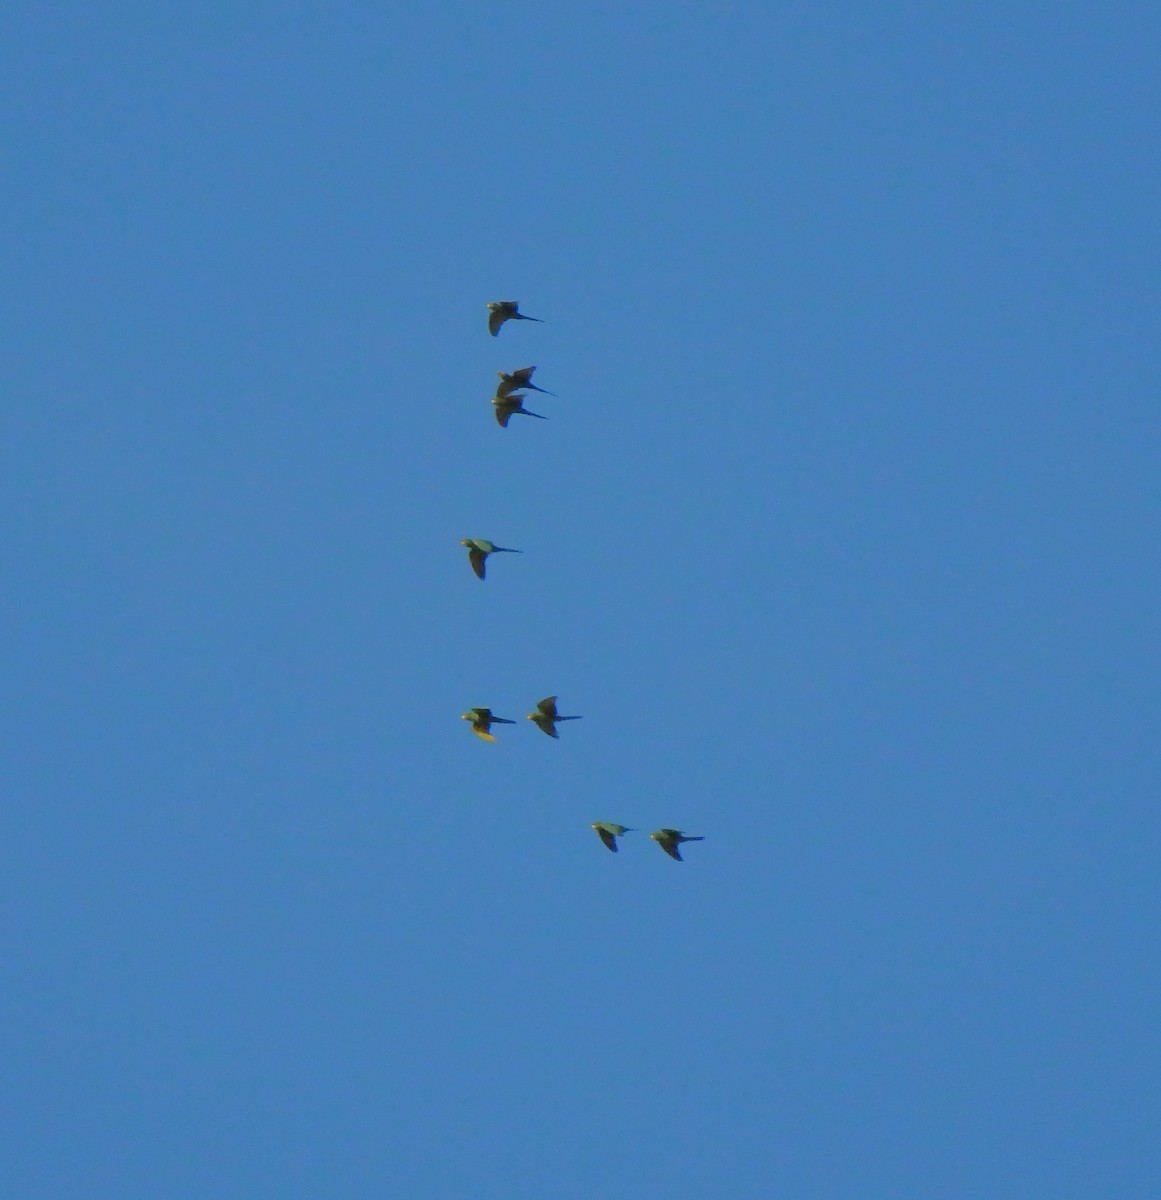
505	550
522	317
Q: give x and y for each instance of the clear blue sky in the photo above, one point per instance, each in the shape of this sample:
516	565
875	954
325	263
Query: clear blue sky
842	536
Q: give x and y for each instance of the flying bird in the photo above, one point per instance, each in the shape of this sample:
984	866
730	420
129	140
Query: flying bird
546	716
608	833
500	311
482	721
520	378
505	406
670	839
478	551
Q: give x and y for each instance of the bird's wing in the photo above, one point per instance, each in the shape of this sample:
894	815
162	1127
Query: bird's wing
481	731
496	318
608	838
476	557
547	706
503	412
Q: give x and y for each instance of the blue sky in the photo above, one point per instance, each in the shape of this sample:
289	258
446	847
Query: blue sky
842	535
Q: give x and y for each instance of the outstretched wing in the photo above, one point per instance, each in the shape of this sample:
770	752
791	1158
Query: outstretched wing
671	849
477	557
608	838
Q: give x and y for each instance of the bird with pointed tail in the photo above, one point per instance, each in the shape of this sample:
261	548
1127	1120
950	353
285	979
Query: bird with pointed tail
482	720
500	311
546	716
608	833
520	378
670	839
478	551
505	406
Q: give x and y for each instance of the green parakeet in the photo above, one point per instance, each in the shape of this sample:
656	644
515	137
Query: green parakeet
478	551
482	721
670	839
520	378
505	406
608	833
500	311
546	716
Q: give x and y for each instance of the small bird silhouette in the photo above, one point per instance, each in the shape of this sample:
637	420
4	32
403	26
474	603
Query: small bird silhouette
478	551
670	839
482	721
505	406
520	378
608	833
546	716
500	311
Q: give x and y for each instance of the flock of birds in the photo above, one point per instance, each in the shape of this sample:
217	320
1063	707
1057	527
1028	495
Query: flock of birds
505	403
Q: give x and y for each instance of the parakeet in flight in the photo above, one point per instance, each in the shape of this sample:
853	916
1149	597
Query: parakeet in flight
546	716
670	839
505	406
478	551
482	721
500	311
608	833
520	378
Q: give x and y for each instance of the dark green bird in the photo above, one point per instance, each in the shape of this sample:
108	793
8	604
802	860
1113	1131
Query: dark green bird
608	833
500	311
478	551
520	378
546	716
670	839
505	406
482	721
